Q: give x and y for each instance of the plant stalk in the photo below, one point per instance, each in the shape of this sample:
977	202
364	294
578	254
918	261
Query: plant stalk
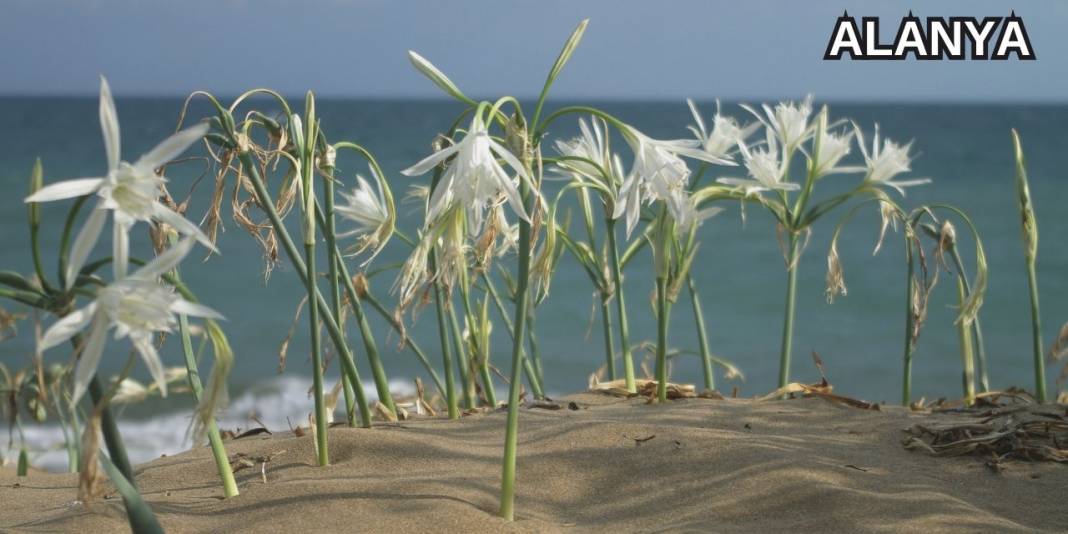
977	329
967	360
910	341
511	435
661	338
1036	334
218	450
329	226
528	369
332	328
702	335
321	423
788	312
446	351
621	307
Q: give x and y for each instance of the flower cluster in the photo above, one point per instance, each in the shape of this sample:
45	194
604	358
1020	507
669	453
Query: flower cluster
137	306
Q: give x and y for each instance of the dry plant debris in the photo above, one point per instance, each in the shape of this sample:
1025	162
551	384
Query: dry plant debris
1022	430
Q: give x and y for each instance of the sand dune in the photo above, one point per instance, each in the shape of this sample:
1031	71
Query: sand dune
612	465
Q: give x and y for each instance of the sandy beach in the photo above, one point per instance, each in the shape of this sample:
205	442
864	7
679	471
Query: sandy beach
610	465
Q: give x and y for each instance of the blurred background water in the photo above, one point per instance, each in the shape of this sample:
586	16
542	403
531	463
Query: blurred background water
964	148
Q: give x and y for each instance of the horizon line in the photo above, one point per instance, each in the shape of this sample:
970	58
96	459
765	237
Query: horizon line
567	98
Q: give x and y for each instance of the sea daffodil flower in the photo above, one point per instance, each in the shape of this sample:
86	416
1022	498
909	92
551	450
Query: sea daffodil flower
138	307
128	190
372	211
766	168
886	161
725	133
788	120
473	179
658	173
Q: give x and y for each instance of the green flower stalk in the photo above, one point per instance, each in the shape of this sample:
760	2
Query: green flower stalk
238	141
1029	228
332	259
621	307
218	450
702	335
305	139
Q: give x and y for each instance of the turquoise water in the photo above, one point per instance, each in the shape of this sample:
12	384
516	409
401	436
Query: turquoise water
965	149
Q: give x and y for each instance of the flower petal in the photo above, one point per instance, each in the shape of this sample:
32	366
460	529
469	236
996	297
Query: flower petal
430	161
166	262
89	359
172	147
109	123
182	225
193	309
84	243
66	327
697	118
148	352
66	189
509	158
120	259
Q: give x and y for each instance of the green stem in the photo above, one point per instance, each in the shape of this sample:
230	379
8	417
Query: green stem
702	335
369	344
661	338
511	435
327	222
977	329
535	352
446	351
788	318
321	423
110	429
410	343
910	341
965	338
140	516
332	328
621	307
609	342
528	369
1036	334
218	450
482	353
467	380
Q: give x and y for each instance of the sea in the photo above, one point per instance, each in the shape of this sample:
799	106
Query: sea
965	149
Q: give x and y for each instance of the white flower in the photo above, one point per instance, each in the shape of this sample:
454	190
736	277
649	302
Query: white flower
474	178
129	191
765	166
372	212
658	173
137	307
887	161
789	121
725	132
832	148
589	145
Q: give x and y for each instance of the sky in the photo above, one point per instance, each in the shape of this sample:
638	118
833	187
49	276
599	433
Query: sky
662	50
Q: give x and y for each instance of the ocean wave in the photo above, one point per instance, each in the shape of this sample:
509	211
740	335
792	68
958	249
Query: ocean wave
280	404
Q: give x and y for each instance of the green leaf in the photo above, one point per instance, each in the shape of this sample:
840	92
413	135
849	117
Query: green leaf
142	519
24	463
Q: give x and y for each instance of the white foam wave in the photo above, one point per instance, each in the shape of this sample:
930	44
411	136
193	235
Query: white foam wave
279	404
